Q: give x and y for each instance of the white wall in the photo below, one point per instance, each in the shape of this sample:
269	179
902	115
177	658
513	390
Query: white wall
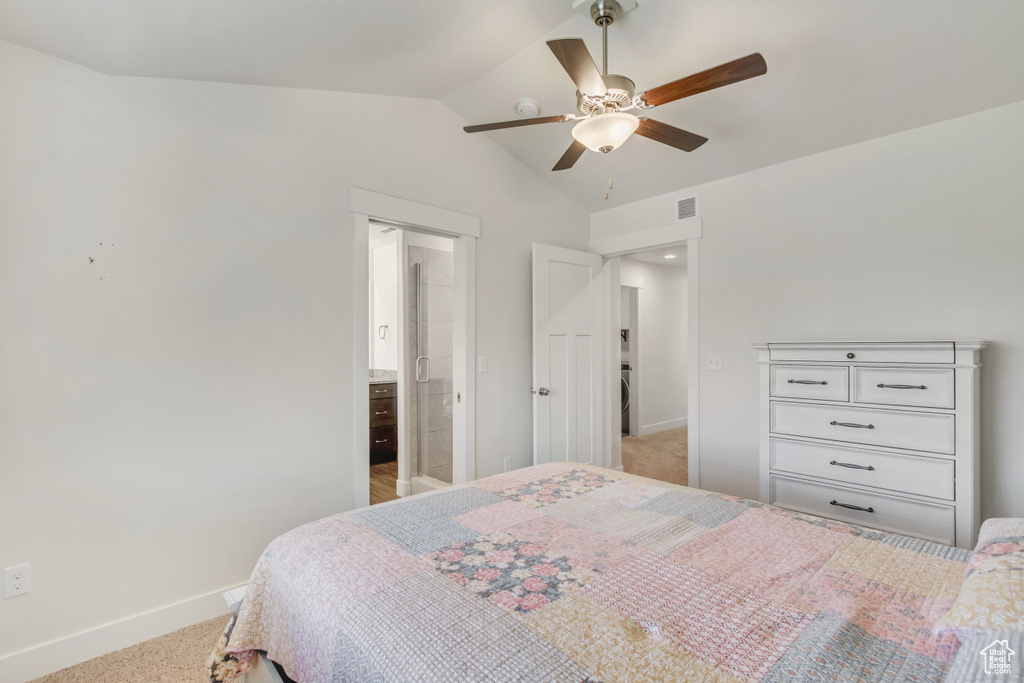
662	343
913	236
163	424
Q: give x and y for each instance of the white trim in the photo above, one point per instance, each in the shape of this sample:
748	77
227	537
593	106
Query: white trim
662	426
636	344
402	211
359	363
425	483
693	363
612	273
649	238
403	487
464	374
463	229
40	660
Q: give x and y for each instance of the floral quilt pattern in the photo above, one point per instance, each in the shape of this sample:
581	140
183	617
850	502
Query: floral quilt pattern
549	490
511	574
567	573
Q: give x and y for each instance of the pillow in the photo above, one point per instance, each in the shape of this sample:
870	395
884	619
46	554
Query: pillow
991	597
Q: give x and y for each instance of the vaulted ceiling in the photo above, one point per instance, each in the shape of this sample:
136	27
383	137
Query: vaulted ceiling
838	72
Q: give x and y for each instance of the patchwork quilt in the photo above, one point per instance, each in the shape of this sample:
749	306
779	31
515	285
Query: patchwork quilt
565	572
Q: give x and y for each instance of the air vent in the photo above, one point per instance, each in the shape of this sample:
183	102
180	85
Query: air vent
686	208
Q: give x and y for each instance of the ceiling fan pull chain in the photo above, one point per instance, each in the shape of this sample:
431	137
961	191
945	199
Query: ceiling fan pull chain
609	188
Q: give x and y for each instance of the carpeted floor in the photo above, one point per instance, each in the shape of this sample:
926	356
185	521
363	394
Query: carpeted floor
660	456
178	657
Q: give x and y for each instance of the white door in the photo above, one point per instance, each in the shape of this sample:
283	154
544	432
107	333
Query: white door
567	352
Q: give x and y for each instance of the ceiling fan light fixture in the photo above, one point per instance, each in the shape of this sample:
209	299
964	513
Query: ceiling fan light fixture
605	132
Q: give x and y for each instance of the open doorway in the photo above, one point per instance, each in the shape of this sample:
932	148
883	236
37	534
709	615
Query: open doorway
411	313
462	230
654	349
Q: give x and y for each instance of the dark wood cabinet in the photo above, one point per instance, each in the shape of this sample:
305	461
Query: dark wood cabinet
383	412
383	422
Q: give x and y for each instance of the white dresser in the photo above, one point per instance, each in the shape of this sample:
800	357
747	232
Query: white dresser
879	434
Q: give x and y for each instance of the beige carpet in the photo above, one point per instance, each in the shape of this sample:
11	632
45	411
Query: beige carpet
660	456
178	657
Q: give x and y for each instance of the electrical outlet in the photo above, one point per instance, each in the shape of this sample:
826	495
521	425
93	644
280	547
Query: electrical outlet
17	580
508	464
714	363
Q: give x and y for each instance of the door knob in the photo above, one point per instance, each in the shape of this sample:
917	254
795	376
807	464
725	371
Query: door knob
543	391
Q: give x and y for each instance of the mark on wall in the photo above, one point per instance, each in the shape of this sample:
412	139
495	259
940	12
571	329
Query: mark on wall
93	260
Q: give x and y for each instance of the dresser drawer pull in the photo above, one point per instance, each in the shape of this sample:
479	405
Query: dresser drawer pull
806	381
381	412
869	468
851	507
902	386
850	424
381	441
380	391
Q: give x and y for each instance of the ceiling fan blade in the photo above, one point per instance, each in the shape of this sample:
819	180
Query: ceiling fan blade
575	151
575	58
670	135
732	72
515	124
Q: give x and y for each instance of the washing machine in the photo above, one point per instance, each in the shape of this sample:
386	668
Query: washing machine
625	399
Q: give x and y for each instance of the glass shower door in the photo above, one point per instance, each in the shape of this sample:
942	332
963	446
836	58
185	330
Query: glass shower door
432	272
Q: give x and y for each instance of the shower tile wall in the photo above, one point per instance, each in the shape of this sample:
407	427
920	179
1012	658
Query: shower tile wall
435	395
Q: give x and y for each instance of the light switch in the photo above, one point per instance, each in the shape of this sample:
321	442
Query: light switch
482	364
714	363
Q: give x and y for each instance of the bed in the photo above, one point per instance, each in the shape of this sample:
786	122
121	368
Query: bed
566	572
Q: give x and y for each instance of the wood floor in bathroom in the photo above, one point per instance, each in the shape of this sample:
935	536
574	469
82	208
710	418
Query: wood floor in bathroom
383	480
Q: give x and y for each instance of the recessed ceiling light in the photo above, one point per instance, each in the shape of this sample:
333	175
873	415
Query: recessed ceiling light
670	255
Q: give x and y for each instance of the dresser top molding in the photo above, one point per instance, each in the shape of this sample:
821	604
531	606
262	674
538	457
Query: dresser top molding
970	344
961	353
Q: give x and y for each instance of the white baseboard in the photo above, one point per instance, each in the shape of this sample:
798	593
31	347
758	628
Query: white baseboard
26	665
662	426
618	469
425	483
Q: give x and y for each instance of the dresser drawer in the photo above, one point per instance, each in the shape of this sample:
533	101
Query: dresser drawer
865	352
383	412
914	518
914	474
384	390
819	382
918	387
875	427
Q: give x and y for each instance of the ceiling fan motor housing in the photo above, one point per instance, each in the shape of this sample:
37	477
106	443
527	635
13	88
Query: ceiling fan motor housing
619	95
605	12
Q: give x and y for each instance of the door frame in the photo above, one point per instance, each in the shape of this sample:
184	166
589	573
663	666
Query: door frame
635	419
464	230
688	232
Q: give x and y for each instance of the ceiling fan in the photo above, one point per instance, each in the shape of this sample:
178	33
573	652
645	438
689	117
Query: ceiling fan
604	99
